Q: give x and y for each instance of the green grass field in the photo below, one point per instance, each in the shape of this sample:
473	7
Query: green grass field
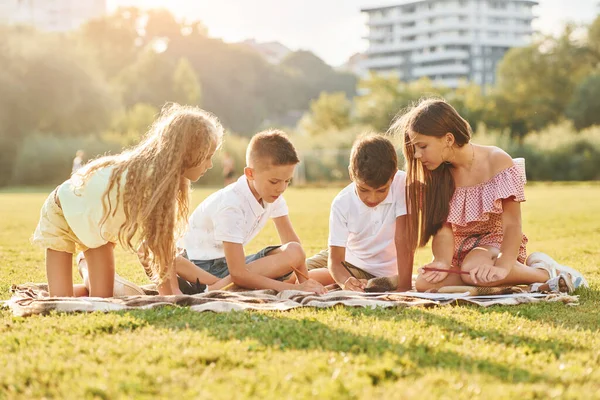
529	351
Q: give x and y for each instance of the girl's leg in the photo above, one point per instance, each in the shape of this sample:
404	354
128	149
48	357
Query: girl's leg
59	270
519	274
80	290
451	280
101	269
173	282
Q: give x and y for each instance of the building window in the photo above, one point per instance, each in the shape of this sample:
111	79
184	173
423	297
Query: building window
497	4
498	21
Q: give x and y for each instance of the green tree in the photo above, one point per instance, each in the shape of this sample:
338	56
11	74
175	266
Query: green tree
148	80
584	108
48	85
160	23
535	83
385	96
470	103
313	76
130	125
382	99
594	39
331	111
186	87
114	39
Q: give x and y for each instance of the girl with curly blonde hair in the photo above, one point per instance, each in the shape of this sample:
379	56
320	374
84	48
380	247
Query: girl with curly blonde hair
140	195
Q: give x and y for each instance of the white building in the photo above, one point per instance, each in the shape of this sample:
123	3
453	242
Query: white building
51	15
446	40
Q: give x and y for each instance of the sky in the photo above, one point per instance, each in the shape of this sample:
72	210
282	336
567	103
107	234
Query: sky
332	29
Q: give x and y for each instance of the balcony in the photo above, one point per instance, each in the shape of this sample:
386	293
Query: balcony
440	55
383	62
446	69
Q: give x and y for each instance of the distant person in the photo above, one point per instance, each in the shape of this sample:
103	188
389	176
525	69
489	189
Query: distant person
138	196
78	161
228	168
467	199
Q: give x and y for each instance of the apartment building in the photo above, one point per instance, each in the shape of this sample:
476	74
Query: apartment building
448	41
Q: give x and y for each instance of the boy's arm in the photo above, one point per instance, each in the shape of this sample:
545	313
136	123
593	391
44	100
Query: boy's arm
285	230
341	275
236	262
404	255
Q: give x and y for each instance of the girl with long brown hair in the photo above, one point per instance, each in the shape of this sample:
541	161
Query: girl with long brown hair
140	195
467	198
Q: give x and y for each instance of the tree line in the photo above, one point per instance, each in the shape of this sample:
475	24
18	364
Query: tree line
102	85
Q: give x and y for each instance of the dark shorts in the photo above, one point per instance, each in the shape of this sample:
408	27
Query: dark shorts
319	260
218	268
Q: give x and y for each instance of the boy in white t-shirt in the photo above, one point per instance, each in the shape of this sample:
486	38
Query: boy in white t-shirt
367	223
227	220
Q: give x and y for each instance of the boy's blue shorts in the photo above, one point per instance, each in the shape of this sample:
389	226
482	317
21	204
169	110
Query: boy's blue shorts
218	268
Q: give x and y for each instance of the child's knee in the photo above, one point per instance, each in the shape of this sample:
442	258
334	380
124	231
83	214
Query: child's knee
294	252
421	284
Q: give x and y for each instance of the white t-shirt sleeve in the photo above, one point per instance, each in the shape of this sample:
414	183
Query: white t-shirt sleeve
280	208
229	225
400	187
338	226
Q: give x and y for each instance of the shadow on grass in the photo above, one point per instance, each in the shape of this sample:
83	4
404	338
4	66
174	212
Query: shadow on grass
279	332
453	326
584	316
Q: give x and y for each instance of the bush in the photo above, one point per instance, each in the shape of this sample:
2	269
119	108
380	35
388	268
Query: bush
47	160
557	153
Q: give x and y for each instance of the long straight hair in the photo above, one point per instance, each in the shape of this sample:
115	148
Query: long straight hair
428	193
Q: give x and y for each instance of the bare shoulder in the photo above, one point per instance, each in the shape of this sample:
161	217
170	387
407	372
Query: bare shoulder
499	160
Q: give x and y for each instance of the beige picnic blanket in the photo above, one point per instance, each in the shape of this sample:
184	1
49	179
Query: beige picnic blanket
31	298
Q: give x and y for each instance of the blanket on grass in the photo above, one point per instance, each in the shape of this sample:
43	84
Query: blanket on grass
32	298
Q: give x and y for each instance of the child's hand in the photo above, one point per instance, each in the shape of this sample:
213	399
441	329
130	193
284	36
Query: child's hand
311	285
354	284
434	276
487	273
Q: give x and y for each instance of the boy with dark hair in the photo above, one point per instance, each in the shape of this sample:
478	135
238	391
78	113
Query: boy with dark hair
228	219
367	222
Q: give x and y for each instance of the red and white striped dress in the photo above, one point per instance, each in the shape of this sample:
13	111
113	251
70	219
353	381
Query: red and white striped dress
476	212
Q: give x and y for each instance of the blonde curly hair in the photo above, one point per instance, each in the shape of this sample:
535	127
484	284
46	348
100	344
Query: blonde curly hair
155	195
